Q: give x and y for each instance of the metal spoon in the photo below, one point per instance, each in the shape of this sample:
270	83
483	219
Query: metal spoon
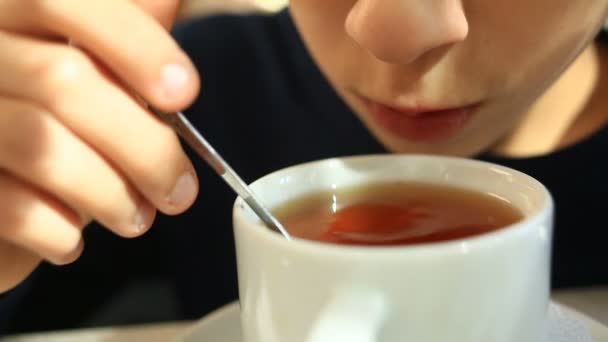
195	140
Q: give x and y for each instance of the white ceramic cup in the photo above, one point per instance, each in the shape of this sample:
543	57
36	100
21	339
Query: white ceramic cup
489	288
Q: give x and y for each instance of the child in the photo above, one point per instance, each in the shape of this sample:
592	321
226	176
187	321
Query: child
513	82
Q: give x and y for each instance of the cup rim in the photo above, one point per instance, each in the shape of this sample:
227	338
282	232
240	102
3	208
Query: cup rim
485	240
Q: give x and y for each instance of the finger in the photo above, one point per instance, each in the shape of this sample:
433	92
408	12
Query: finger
56	161
38	223
129	41
16	264
164	11
82	97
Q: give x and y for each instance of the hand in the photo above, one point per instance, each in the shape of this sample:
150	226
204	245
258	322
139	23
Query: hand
75	145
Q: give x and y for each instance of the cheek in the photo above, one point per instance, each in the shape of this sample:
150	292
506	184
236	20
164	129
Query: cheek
534	42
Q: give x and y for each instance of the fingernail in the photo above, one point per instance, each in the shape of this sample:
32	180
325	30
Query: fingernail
174	78
142	218
184	190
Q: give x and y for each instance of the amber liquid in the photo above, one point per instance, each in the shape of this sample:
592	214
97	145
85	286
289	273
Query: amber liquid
395	214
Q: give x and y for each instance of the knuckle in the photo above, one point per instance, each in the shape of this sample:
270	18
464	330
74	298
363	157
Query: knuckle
47	10
16	124
17	115
61	73
41	6
61	69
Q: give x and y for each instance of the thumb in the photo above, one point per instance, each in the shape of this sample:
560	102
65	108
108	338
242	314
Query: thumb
165	11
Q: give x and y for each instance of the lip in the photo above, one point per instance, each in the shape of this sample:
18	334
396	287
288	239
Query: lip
424	125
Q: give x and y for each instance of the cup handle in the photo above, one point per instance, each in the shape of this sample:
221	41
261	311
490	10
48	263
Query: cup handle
350	316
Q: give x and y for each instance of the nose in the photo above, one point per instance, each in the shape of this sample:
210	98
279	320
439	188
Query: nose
400	31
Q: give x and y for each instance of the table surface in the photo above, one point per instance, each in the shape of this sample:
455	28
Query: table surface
593	302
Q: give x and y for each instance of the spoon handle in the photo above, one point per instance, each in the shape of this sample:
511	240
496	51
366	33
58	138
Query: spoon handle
201	146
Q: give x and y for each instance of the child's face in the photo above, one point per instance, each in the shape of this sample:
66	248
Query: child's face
485	61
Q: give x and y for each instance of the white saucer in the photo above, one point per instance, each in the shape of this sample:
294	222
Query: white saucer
565	324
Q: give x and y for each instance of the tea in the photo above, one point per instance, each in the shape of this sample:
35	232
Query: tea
395	213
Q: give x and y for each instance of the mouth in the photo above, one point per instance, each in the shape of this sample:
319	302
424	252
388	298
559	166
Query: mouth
422	125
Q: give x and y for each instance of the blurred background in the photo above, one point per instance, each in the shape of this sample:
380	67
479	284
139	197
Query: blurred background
207	7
